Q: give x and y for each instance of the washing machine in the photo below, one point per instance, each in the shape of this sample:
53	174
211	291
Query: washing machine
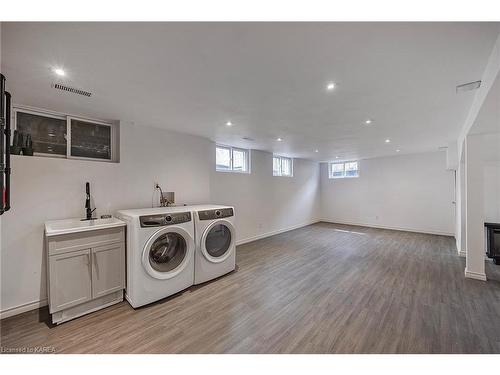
160	253
215	238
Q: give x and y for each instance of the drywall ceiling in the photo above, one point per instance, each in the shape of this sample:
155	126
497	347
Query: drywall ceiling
268	79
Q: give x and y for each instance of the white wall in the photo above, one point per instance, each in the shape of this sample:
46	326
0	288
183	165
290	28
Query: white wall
474	210
460	229
51	188
265	204
411	192
492	191
482	160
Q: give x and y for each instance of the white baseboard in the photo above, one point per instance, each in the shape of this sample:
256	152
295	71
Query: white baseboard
475	275
426	231
22	308
273	233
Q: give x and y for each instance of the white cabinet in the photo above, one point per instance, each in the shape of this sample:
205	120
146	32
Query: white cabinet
108	269
73	271
86	272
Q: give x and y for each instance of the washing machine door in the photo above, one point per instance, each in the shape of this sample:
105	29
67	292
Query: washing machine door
217	241
167	252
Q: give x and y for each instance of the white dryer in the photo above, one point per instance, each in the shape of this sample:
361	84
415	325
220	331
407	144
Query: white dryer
215	235
160	253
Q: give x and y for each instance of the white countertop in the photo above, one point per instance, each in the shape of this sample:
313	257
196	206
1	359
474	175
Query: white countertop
57	227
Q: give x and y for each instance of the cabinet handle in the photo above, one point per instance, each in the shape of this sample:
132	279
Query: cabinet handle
96	265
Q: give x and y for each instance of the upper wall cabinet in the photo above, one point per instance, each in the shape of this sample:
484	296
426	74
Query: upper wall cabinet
60	135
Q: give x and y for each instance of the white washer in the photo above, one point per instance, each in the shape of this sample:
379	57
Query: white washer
160	253
215	235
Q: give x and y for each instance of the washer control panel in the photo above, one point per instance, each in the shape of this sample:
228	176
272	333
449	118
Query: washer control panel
164	219
217	213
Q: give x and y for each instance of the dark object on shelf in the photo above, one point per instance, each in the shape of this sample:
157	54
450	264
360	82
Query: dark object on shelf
87	203
17	143
493	241
5	102
28	148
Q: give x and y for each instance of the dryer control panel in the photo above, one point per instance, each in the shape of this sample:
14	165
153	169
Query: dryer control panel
164	219
217	213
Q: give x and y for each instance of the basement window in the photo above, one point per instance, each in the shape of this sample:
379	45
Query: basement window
282	166
60	135
232	159
343	170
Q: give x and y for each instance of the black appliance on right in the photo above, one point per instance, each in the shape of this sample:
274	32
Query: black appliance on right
493	241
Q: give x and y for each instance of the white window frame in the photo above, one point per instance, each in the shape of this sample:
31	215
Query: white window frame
280	174
330	169
62	116
231	149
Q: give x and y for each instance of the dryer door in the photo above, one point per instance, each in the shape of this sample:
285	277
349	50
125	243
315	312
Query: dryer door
218	241
167	252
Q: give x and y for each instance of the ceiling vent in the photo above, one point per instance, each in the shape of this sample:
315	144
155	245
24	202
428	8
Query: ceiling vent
469	86
72	90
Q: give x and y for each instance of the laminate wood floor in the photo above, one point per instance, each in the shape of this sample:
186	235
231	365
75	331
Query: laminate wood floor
324	288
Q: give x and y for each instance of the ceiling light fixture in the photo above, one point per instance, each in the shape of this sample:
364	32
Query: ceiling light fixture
387	140
368	121
316	150
398	150
279	139
336	157
229	123
59	72
330	86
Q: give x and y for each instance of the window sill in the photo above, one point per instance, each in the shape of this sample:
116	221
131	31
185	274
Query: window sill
231	171
63	157
342	178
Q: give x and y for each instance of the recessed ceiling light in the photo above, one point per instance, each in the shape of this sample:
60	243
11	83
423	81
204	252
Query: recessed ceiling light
336	157
330	86
229	123
279	139
368	121
398	150
316	150
59	72
387	140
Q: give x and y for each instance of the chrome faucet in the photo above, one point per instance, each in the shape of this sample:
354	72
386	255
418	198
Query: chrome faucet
87	203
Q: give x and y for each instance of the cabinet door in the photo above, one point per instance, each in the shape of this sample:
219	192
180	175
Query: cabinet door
70	279
108	269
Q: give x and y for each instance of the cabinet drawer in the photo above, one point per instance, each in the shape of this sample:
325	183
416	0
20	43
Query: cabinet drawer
84	240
